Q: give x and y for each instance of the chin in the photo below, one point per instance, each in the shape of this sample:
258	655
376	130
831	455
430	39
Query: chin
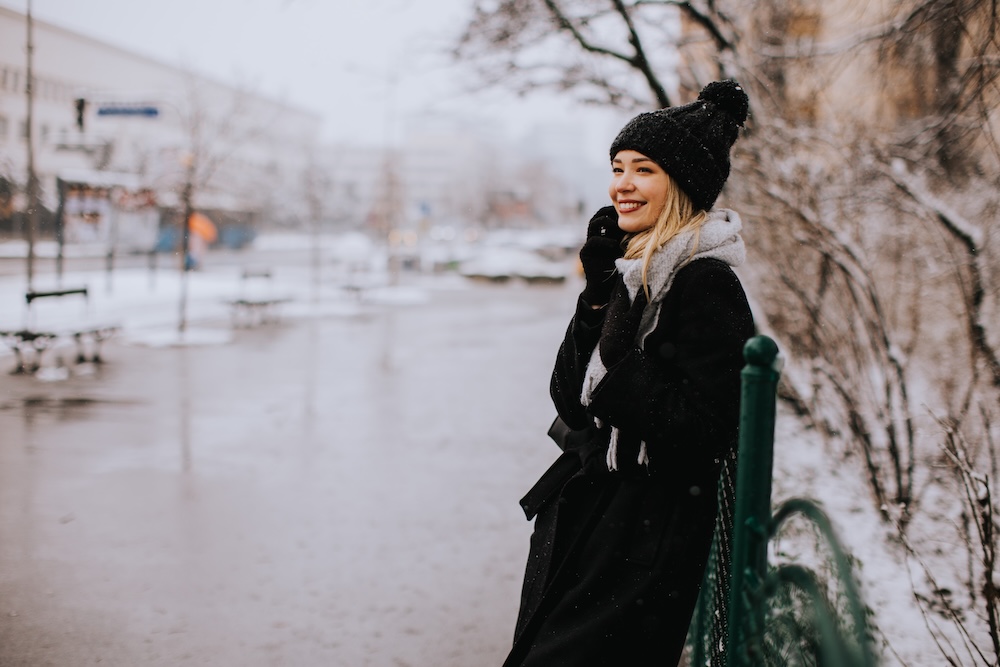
635	227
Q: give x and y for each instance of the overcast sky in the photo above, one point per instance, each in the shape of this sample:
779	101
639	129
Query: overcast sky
349	60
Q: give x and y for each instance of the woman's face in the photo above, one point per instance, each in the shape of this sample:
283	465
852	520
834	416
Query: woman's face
638	189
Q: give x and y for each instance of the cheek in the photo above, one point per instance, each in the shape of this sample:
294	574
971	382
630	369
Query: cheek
656	206
650	214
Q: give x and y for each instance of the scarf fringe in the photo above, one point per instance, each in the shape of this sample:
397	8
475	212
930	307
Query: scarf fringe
612	457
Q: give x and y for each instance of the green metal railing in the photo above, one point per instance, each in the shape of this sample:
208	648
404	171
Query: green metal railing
752	613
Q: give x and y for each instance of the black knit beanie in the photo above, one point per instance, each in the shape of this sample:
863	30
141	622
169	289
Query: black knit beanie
691	142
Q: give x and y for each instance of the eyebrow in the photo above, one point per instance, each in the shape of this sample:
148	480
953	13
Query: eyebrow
634	160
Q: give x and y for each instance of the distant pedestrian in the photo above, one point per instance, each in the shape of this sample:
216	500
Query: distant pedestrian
646	386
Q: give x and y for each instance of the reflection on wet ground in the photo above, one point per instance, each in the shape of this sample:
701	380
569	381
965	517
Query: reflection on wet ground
62	407
323	491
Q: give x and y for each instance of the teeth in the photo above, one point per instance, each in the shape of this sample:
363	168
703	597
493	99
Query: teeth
628	206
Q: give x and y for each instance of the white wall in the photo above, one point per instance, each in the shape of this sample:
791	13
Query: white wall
261	144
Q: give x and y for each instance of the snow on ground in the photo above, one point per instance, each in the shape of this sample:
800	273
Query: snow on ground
805	467
351	274
13	249
146	302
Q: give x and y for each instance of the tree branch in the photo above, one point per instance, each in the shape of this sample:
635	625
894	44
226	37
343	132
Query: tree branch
970	237
567	25
640	61
721	43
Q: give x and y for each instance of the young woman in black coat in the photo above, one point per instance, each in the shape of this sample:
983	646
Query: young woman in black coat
646	385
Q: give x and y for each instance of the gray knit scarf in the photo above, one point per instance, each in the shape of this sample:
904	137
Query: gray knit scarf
718	238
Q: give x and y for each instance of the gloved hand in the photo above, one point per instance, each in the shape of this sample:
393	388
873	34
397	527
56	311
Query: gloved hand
602	247
621	325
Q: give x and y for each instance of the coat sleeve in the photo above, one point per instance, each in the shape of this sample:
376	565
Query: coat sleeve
571	363
683	386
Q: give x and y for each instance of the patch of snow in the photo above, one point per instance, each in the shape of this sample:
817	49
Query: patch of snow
52	374
505	262
307	309
14	249
804	466
171	337
396	295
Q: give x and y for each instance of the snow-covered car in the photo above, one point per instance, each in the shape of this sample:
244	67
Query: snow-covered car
499	264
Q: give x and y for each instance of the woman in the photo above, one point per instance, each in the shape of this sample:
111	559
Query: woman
646	385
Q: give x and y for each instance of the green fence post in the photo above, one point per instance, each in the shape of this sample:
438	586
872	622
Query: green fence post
753	497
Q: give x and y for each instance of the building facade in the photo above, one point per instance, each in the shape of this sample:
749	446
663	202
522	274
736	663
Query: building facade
99	109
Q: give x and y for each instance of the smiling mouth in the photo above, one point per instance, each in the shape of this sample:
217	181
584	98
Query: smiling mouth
629	206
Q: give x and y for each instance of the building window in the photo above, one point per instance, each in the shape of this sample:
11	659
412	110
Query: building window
3	128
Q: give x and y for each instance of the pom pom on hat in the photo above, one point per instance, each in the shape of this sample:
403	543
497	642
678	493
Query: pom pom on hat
729	97
691	142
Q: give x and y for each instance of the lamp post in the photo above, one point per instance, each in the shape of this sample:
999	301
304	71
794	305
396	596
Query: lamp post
188	210
32	180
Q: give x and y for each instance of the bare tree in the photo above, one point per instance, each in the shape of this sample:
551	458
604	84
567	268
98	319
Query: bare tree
888	281
617	52
214	129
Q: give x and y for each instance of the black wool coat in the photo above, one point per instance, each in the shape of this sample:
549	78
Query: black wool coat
617	557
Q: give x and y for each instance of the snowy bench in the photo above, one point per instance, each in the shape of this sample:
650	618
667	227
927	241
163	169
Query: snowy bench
30	341
255	304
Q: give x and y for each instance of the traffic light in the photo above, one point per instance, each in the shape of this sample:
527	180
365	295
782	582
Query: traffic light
81	107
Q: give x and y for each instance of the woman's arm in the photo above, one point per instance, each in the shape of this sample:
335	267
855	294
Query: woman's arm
597	257
571	363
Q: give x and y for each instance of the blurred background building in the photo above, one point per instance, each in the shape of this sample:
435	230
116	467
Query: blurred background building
117	129
105	117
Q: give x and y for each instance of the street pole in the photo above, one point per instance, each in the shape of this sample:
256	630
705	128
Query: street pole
391	174
32	184
60	229
315	213
187	207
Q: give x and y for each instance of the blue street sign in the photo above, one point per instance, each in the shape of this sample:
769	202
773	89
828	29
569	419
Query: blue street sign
129	110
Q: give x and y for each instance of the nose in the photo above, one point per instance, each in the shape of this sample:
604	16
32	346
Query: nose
623	183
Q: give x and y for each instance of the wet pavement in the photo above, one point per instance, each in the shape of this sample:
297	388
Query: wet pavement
337	490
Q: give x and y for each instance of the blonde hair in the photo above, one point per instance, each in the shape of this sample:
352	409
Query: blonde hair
677	216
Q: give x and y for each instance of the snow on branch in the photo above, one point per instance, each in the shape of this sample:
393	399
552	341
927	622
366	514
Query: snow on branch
967	232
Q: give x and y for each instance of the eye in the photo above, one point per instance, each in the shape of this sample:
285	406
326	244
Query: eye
645	170
617	170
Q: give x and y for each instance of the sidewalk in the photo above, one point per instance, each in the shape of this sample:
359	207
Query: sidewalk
336	489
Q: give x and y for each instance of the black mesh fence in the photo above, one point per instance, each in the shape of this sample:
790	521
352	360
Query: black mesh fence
788	625
707	635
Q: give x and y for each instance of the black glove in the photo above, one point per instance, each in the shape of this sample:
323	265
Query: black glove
621	324
598	255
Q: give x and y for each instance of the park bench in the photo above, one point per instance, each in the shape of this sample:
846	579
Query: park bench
256	302
30	341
